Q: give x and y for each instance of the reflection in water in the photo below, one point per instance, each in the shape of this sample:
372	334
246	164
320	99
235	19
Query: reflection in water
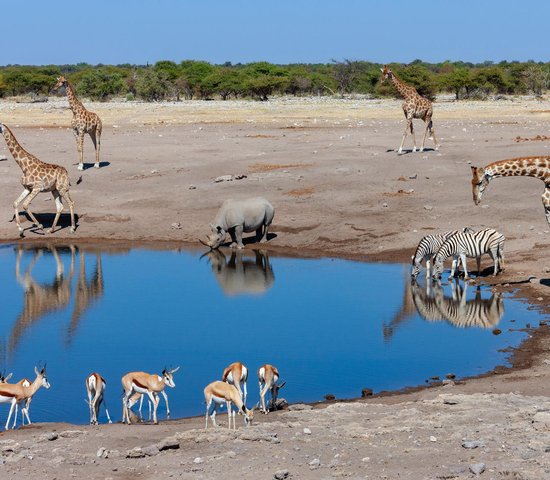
240	275
42	298
476	312
87	292
433	306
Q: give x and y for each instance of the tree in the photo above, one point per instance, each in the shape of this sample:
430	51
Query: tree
153	85
457	81
344	74
262	79
536	79
100	85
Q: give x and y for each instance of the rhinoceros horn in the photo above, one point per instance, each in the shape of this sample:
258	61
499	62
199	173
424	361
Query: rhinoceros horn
205	244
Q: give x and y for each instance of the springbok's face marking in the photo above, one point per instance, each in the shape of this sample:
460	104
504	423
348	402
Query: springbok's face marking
42	376
479	183
168	376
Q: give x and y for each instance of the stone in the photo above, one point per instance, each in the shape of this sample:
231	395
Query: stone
198	460
223	178
150	450
315	463
168	443
257	436
433	439
477	468
281	474
136	452
239	176
428	207
192	187
307	431
473	444
176	225
101	452
413	177
366	392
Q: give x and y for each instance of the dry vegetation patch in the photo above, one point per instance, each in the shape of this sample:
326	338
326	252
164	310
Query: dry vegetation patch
532	139
301	192
268	167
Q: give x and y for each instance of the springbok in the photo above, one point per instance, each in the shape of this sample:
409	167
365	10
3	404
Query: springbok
145	383
95	387
268	376
235	374
216	393
17	394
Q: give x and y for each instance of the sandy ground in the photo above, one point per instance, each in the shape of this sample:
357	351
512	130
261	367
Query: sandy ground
339	188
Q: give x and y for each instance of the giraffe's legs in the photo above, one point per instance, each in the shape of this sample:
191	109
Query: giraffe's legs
407	127
95	135
66	196
58	208
546	203
16	204
79	136
26	205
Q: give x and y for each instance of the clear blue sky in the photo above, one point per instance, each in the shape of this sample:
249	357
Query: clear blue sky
39	32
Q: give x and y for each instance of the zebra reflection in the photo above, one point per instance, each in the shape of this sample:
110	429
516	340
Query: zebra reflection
432	305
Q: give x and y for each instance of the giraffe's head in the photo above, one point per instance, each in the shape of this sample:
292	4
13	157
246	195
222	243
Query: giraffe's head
61	82
386	72
479	183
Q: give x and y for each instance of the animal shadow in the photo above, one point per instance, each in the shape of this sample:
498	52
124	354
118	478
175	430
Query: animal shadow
253	239
46	220
545	282
406	151
86	166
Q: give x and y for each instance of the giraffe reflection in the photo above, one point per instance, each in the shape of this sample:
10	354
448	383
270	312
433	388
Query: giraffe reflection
432	305
40	299
43	298
87	292
240	275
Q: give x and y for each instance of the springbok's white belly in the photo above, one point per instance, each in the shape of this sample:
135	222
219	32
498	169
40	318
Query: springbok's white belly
140	389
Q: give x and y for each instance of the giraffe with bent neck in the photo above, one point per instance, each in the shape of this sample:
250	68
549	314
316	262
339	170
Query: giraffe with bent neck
38	176
538	167
414	106
83	122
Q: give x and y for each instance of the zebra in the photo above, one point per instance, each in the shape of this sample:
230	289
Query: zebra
471	245
426	249
477	312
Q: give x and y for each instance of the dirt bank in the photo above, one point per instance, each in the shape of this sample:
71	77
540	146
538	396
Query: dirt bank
339	188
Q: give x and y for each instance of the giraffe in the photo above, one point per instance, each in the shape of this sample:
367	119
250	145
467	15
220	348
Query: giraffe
38	176
538	167
414	106
83	122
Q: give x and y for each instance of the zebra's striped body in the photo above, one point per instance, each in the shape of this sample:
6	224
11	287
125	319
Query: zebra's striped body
427	248
471	245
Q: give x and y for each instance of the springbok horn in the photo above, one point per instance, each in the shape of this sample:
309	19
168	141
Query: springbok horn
175	369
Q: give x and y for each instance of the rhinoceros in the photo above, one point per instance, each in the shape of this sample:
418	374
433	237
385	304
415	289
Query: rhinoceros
238	216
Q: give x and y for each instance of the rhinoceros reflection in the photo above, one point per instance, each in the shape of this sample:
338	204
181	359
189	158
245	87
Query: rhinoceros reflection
432	305
241	275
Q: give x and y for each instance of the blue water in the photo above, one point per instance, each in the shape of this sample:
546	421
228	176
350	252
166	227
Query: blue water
330	326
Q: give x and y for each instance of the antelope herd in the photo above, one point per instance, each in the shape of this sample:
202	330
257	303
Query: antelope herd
137	385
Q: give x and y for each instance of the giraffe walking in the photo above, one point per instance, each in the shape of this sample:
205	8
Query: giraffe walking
38	177
83	122
538	167
414	106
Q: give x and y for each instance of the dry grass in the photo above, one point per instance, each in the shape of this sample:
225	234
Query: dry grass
268	167
301	192
538	138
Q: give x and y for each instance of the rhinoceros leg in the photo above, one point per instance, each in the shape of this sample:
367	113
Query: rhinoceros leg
239	236
264	236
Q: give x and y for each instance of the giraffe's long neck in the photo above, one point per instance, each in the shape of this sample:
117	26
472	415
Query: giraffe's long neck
404	90
538	167
20	155
74	102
